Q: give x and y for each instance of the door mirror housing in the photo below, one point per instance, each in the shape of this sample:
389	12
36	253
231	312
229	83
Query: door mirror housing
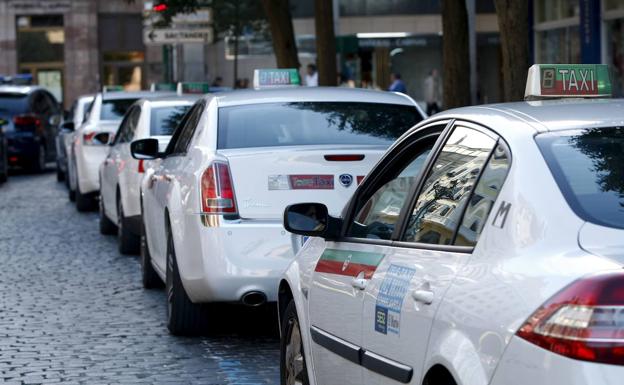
312	220
102	138
145	149
68	126
55	120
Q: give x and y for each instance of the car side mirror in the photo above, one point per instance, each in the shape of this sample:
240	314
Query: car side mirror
102	138
311	219
68	126
145	149
55	120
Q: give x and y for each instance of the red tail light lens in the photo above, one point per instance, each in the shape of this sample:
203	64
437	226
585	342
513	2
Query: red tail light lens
26	120
141	166
585	321
217	191
344	157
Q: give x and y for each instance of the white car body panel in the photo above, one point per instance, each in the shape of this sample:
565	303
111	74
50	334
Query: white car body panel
485	296
220	259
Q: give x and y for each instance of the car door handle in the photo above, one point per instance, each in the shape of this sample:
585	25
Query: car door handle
423	295
359	283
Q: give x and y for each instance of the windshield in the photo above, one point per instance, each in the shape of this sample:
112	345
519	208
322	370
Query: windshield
313	123
588	167
164	120
115	109
12	104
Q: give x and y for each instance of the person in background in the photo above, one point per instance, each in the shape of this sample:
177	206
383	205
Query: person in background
397	84
218	82
311	76
432	92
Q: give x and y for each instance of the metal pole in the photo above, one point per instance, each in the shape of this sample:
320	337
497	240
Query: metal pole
472	49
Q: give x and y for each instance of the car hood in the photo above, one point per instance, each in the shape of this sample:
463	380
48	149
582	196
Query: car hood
603	241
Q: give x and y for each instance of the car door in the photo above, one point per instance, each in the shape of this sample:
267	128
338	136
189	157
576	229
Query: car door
441	228
346	266
161	182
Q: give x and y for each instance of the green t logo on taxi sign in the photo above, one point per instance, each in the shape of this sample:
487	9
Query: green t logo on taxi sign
568	80
280	77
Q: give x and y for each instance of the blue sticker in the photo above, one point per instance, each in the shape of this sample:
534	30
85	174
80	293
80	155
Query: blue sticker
390	299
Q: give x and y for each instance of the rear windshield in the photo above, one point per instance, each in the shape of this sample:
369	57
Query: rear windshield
313	123
115	109
589	168
164	120
13	104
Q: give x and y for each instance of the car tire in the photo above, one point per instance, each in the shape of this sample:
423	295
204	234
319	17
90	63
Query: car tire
71	194
150	278
84	202
293	368
60	175
38	165
107	227
4	171
129	243
183	316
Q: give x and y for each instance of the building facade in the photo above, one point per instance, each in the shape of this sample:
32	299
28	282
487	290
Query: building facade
73	47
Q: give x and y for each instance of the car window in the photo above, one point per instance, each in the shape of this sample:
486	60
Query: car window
123	127
115	109
378	211
313	123
164	120
12	104
40	105
587	165
188	129
52	105
483	198
440	204
126	132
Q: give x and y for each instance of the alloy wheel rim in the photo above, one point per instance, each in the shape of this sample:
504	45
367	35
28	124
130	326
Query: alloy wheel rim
294	357
169	280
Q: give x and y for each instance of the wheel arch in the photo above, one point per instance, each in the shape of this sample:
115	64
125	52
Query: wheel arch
438	374
284	296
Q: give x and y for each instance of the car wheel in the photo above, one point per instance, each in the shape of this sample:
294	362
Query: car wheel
39	164
293	369
150	278
183	316
4	170
107	227
128	242
60	175
84	202
71	194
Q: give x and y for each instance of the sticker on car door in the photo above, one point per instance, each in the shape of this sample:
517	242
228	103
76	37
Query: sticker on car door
390	299
349	263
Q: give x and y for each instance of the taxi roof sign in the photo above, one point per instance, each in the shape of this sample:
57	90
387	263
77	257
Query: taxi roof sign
568	80
163	87
193	88
113	88
279	77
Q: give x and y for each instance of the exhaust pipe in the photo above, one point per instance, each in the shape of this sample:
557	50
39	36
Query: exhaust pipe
253	298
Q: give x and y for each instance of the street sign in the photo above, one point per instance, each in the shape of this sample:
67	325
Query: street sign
176	36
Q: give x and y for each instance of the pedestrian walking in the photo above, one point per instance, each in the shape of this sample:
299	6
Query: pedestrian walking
311	76
432	92
396	84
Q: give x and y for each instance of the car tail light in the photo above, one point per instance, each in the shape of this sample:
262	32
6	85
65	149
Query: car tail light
217	191
141	166
584	321
29	121
344	157
88	138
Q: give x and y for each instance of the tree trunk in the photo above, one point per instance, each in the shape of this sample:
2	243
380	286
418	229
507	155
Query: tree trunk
455	54
513	17
325	42
282	33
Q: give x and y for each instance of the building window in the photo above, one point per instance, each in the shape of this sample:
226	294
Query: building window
613	45
557	34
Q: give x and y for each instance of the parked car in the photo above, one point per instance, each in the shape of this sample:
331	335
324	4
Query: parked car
65	136
486	247
33	117
212	207
4	158
91	140
120	174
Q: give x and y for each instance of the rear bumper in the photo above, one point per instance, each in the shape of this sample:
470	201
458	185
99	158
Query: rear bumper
524	363
22	149
236	258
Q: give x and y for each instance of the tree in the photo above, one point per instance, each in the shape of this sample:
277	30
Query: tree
282	33
325	42
513	17
455	54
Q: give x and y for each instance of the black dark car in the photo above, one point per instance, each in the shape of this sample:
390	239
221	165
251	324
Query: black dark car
32	116
4	159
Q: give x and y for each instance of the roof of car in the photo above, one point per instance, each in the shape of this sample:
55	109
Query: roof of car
303	94
549	115
113	95
18	89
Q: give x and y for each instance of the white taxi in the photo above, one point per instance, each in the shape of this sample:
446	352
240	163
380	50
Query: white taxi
486	247
120	174
212	208
91	141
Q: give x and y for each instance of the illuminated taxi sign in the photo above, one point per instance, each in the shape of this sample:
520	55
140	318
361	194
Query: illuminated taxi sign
193	88
283	77
163	87
116	88
568	80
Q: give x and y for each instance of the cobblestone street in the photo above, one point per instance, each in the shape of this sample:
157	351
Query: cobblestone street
72	309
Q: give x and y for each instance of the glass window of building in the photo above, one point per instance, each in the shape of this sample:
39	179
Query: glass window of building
557	36
613	44
554	10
